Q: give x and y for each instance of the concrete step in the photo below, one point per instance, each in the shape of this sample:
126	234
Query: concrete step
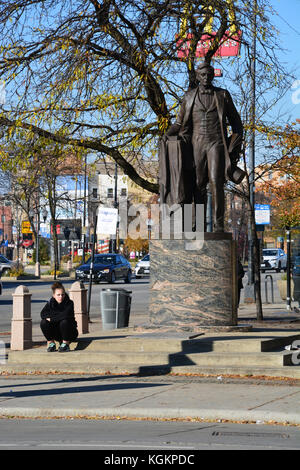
136	369
241	359
230	344
139	345
122	354
38	356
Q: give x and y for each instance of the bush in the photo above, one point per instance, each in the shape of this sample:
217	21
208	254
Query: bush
43	252
14	272
78	259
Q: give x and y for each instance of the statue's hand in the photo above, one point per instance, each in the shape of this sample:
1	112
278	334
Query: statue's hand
173	130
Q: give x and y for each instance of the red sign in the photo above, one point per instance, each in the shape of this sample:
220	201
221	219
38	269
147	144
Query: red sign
218	73
27	243
230	45
57	229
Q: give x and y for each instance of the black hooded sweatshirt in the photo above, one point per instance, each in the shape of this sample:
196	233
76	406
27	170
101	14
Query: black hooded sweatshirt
57	312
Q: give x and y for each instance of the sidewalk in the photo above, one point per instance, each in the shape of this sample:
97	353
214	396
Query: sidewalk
185	397
132	397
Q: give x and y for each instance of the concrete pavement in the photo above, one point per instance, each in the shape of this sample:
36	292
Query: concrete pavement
168	396
263	400
119	397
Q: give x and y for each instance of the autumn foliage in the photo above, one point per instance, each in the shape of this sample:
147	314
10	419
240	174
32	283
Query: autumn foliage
285	188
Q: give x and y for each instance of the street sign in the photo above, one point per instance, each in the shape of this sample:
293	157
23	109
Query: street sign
218	73
26	226
262	214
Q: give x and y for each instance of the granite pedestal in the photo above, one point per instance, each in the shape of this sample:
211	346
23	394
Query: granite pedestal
193	284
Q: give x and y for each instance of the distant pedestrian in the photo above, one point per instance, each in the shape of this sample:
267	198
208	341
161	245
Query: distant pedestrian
58	320
240	275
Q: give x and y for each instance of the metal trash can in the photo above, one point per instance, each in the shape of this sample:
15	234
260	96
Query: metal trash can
296	294
115	308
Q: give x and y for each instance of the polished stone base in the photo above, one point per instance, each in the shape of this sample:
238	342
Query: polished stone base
193	283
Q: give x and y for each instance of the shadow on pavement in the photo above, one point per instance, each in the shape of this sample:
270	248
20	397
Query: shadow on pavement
75	389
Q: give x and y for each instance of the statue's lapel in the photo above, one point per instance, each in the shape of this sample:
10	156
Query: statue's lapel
190	104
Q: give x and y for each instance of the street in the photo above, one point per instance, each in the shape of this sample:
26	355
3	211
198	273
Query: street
183	435
41	292
126	435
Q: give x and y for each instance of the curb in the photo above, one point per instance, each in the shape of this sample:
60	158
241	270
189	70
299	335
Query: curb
241	416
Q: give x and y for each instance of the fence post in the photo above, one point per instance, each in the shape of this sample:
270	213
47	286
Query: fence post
268	276
78	293
69	267
21	324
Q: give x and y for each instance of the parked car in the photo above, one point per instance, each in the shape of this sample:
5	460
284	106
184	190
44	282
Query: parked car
1	288
142	267
5	264
108	267
273	259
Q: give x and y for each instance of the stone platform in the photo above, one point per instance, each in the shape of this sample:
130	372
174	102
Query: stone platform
193	284
135	351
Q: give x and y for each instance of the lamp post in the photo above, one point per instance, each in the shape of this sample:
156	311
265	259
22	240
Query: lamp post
94	205
34	214
37	250
288	269
37	242
116	206
84	211
251	226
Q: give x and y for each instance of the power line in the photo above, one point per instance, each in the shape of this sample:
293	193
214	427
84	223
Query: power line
288	24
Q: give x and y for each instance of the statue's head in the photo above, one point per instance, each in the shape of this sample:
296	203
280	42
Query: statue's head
205	74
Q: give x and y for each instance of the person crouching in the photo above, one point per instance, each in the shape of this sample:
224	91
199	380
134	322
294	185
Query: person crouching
58	320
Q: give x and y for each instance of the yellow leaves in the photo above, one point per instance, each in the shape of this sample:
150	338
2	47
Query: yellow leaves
163	124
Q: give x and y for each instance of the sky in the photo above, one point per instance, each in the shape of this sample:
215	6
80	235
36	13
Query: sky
288	23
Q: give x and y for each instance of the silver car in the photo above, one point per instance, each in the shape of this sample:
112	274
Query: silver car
5	264
273	259
142	268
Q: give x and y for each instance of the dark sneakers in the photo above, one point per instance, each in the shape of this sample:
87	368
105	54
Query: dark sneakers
64	347
51	347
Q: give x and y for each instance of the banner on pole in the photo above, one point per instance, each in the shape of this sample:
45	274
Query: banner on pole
107	220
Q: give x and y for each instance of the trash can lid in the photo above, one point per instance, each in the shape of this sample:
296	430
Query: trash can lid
120	290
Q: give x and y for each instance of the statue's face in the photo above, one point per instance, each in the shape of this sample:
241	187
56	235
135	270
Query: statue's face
205	77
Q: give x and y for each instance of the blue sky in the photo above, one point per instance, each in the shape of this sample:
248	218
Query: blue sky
288	23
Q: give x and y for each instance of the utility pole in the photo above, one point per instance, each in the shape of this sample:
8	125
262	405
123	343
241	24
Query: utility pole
84	212
252	148
250	287
288	269
116	205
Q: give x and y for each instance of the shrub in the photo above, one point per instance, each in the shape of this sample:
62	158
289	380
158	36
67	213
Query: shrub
14	272
43	252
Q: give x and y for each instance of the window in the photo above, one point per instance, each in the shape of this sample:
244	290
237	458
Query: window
3	218
110	193
95	193
123	192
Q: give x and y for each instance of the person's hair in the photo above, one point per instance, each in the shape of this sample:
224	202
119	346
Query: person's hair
57	285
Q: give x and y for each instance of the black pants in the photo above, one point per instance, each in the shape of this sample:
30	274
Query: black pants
62	330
